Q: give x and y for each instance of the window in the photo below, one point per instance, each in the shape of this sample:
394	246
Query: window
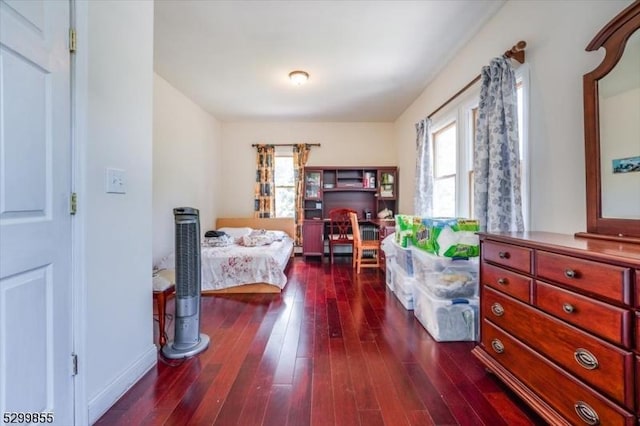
453	135
444	170
285	186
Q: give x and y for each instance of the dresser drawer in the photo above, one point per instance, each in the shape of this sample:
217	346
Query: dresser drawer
508	282
595	361
638	385
637	288
638	336
609	281
565	394
508	255
613	323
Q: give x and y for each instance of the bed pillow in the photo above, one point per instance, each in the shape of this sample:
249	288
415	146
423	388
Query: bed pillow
278	235
261	237
236	233
257	238
222	241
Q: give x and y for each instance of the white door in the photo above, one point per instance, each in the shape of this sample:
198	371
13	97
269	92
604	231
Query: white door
35	226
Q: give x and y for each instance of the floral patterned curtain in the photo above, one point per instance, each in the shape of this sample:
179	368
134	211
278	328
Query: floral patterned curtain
300	157
498	200
264	200
423	197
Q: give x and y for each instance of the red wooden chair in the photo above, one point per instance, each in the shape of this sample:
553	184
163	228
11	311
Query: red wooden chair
339	229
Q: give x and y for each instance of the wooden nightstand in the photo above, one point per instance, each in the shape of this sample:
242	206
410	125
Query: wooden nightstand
163	288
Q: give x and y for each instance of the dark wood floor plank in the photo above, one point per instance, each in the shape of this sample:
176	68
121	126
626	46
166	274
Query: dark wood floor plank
370	306
512	414
163	386
390	405
231	357
398	332
305	337
360	379
300	411
334	348
322	407
371	418
278	406
430	395
435	364
156	417
166	392
343	389
421	418
266	351
333	319
287	361
194	396
138	391
171	396
247	397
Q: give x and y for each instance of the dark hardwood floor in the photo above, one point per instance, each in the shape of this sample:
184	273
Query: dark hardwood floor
334	348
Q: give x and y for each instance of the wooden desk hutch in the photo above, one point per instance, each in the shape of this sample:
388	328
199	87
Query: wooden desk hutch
367	190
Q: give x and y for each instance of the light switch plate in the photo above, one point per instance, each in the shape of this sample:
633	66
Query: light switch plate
115	181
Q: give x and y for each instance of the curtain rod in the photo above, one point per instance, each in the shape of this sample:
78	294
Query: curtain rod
285	144
516	52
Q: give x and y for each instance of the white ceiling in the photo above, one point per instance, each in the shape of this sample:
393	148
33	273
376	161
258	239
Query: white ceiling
368	60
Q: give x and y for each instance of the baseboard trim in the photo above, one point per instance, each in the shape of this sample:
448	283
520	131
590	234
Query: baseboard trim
129	377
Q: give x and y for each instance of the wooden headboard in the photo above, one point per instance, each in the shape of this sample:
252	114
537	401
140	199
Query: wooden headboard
275	224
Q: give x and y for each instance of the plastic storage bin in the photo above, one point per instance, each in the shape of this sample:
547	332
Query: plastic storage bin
390	271
403	287
387	245
447	320
404	258
445	277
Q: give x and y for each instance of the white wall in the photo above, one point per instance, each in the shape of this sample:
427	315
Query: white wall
114	92
342	144
186	163
556	34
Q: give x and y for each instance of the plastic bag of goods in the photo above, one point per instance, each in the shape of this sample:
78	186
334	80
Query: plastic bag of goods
448	237
404	229
457	280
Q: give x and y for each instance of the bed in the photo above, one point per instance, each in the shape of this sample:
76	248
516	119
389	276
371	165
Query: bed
241	269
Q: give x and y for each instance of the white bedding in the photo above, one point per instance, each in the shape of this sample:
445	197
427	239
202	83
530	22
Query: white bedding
234	265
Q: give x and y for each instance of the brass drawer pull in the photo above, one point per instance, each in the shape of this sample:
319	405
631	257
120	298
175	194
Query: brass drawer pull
586	413
568	308
570	273
497	346
502	281
586	359
497	309
504	255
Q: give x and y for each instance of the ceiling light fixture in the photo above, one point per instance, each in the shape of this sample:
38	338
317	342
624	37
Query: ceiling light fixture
298	77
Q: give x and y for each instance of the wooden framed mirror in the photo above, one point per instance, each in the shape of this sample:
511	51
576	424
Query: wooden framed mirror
612	131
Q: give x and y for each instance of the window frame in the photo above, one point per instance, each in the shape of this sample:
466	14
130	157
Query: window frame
459	111
522	75
448	124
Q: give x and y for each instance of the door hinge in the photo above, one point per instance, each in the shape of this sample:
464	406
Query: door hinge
74	203
72	40
74	364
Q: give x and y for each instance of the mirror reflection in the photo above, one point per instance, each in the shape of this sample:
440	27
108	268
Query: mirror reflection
619	105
